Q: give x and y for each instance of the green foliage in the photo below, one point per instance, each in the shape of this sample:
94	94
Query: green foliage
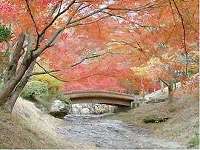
52	83
35	89
154	119
44	103
192	71
194	142
43	90
5	33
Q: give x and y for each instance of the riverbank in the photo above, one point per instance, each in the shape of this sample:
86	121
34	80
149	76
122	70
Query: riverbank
183	118
29	127
14	134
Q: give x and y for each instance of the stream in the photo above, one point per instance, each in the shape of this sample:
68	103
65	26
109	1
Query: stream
106	133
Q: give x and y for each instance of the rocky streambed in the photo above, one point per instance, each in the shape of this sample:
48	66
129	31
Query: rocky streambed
103	132
87	131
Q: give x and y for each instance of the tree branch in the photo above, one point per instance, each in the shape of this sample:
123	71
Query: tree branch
43	72
40	35
167	84
88	15
87	58
56	17
184	36
149	5
32	18
73	65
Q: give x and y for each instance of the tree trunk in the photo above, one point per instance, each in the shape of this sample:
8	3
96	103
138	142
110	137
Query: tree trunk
11	84
170	92
16	74
13	75
11	100
13	63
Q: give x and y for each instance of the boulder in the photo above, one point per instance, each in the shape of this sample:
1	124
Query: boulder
59	109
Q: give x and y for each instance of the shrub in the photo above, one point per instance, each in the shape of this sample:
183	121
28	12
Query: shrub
5	33
43	90
154	119
52	83
35	89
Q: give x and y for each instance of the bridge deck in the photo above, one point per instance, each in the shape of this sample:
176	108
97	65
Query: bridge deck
100	94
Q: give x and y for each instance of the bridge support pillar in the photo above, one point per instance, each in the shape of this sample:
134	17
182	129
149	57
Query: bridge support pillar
122	108
134	104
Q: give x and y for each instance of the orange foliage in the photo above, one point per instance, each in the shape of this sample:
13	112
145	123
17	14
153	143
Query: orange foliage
155	35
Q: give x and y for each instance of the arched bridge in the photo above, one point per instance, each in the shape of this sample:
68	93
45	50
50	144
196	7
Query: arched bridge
101	97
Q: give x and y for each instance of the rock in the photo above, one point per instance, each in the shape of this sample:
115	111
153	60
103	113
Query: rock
75	110
101	109
59	109
156	100
91	108
85	111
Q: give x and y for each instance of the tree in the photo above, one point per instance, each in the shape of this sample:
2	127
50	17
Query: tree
167	35
37	25
134	29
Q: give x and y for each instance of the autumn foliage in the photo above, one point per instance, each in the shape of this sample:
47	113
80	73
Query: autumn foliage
106	45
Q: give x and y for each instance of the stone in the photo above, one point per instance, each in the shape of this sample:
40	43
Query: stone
85	111
59	109
90	108
156	100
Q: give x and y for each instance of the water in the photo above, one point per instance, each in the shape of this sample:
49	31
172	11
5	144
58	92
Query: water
106	133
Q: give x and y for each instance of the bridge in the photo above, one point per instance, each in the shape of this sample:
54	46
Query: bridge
101	97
